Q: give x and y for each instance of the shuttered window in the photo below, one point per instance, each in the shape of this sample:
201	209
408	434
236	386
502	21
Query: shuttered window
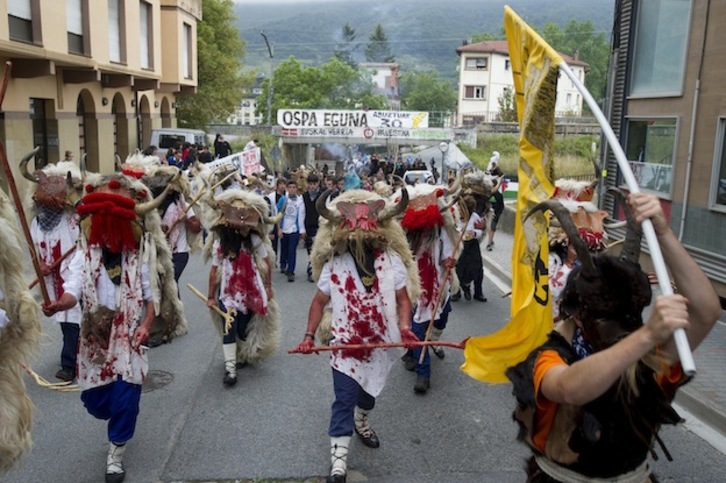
146	36
187	60
114	31
20	20
74	26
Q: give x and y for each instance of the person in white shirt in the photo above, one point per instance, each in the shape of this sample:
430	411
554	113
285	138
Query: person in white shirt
363	266
292	229
108	275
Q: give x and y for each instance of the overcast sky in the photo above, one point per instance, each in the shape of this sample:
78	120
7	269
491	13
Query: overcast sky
283	1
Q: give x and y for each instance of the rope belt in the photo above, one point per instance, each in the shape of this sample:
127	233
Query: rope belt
641	474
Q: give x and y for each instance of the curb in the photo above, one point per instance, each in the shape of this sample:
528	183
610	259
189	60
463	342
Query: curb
699	405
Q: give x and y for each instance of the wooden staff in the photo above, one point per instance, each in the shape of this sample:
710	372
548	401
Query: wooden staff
196	200
382	345
227	316
54	265
447	272
16	196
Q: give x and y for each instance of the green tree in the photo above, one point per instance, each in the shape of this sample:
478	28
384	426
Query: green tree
507	106
592	47
334	85
346	47
378	49
220	82
484	36
425	92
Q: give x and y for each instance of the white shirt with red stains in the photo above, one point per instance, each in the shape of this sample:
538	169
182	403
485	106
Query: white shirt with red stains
178	236
103	362
431	271
241	283
51	245
364	317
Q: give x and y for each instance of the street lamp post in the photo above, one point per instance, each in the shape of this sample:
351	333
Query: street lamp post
444	147
272	73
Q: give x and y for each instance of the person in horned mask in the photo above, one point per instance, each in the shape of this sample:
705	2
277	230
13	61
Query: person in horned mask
591	399
364	268
119	296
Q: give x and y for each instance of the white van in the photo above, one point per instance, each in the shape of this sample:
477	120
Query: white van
169	137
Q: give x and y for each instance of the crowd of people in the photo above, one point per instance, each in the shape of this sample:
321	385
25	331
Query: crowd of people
389	261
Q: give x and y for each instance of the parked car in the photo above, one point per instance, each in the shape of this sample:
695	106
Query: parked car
169	137
418	176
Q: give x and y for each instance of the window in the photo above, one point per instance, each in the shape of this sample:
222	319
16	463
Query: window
145	27
569	99
74	25
474	92
116	31
507	64
187	66
650	149
660	47
20	20
718	189
475	63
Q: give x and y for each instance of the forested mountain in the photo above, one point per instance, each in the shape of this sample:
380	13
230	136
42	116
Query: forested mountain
423	34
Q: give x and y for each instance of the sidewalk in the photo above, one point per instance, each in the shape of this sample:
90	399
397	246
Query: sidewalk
704	396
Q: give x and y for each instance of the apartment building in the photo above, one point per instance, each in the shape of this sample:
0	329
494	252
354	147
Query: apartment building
94	76
246	113
666	105
485	74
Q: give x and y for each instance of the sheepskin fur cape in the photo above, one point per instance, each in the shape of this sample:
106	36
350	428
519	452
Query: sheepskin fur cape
263	331
331	240
18	341
170	319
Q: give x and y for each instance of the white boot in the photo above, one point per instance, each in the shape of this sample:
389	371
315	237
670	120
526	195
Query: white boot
367	436
436	335
338	458
114	464
230	363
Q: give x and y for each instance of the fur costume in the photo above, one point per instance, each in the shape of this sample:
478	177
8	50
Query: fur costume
18	340
263	331
51	205
169	309
332	239
171	321
428	213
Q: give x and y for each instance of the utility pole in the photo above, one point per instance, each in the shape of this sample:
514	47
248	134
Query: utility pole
269	87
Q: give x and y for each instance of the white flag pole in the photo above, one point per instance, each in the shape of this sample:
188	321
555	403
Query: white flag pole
684	349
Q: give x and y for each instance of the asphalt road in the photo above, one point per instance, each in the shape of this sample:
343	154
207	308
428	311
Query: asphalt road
273	424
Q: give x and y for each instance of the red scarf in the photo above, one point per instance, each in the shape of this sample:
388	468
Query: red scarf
111	217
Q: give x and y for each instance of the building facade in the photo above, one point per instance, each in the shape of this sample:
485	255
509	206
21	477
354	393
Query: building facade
385	81
94	77
666	104
246	113
485	75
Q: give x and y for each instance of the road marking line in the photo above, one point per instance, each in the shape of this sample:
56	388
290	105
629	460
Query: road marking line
702	430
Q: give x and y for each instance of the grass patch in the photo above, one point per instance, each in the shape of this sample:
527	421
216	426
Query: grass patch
573	154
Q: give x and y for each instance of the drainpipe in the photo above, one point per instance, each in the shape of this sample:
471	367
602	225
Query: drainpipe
692	134
689	163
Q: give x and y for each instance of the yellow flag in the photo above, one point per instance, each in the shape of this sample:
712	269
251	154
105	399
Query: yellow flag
535	70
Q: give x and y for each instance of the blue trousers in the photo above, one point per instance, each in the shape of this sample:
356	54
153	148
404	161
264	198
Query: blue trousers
118	403
69	352
288	252
348	394
239	326
180	261
424	369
